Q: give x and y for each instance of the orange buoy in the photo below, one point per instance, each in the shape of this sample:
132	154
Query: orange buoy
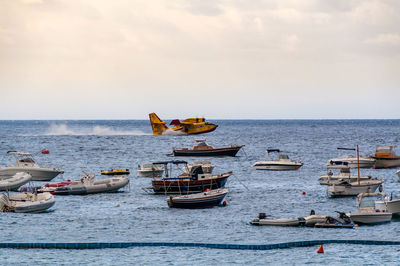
45	151
321	249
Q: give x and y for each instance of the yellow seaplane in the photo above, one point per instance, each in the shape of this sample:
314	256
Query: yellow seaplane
185	127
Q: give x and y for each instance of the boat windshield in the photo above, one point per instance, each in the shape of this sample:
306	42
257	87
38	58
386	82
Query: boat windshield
284	156
367	202
27	160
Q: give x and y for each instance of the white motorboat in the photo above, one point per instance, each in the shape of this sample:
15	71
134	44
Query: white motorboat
26	202
25	163
150	170
388	204
367	212
207	167
345	188
310	220
282	163
364	162
386	157
15	181
343	175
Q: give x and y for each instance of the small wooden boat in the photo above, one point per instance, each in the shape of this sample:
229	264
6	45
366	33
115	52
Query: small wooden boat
367	212
87	185
345	188
26	202
15	181
202	149
206	199
115	172
386	157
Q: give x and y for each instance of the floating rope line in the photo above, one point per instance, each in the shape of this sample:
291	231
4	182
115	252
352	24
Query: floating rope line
102	245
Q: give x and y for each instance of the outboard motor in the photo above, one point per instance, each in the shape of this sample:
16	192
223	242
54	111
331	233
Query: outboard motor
262	215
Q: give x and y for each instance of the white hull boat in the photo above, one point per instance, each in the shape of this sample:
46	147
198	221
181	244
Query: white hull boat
364	162
353	188
25	163
26	202
206	199
344	174
150	170
208	167
310	220
367	212
283	163
392	206
15	181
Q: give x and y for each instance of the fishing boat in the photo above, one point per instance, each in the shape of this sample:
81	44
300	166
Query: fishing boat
282	163
24	162
351	160
208	198
15	181
150	170
207	167
188	126
202	149
386	157
194	182
26	202
87	185
115	172
367	212
332	177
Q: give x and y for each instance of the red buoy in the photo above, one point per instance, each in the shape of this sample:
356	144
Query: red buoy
321	249
45	151
303	193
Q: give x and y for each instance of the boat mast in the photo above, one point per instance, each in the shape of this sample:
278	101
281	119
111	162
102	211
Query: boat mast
358	165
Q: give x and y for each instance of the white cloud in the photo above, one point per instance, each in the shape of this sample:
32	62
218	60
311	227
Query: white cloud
385	39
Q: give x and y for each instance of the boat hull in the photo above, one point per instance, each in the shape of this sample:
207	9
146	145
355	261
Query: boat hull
392	206
365	162
370	218
277	167
184	186
279	222
198	200
26	202
386	163
230	151
337	190
38	174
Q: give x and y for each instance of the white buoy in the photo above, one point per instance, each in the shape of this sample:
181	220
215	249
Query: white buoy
117	205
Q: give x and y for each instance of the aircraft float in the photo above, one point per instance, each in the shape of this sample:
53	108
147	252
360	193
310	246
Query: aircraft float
185	127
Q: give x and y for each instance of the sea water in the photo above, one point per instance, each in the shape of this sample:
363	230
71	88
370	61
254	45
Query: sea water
90	146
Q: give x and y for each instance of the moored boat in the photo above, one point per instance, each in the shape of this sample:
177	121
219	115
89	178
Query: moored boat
343	175
367	212
24	162
282	163
206	199
194	182
342	221
26	202
15	181
389	205
87	185
386	157
345	188
207	167
150	170
202	149
115	172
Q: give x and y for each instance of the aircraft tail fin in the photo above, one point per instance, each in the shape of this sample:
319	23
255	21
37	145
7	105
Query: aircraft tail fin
157	124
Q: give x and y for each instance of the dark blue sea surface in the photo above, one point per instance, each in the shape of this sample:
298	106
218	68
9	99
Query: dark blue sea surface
90	146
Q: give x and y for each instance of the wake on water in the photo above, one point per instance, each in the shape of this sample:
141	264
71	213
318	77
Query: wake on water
64	130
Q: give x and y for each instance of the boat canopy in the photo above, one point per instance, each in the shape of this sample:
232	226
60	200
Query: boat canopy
173	162
273	150
346	149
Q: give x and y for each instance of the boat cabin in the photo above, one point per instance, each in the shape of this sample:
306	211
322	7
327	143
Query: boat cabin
202	145
23	159
385	151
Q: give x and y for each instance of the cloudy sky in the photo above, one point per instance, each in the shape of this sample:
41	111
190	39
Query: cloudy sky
277	59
